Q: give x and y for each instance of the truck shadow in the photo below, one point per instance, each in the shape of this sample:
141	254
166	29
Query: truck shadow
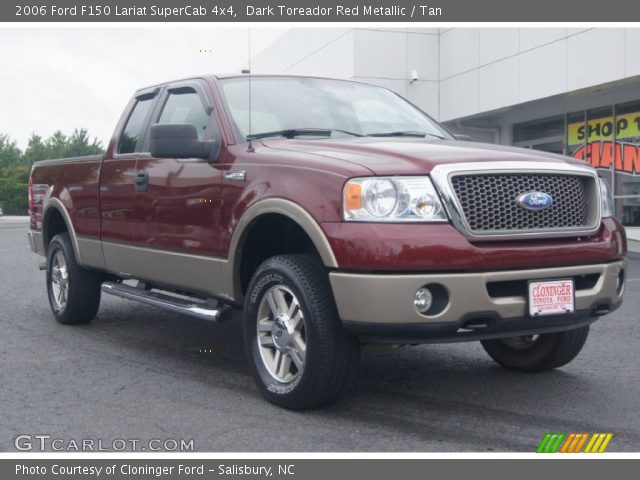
442	394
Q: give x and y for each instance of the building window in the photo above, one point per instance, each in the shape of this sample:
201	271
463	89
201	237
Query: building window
608	138
576	134
546	134
627	163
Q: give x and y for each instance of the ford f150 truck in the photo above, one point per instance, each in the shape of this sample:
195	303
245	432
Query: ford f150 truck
336	214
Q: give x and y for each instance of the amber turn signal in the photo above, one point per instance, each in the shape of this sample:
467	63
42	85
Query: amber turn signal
353	196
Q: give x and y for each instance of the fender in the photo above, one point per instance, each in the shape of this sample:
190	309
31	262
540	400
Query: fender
55	204
280	206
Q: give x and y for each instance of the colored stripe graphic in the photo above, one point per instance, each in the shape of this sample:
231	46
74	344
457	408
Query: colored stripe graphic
572	443
591	443
605	443
567	443
598	443
550	443
543	443
577	438
580	444
557	444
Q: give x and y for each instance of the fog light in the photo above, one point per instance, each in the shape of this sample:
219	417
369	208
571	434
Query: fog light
423	300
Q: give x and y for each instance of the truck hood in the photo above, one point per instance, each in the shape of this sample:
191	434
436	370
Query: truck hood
411	156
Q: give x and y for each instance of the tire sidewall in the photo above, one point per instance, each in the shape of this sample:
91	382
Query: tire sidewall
83	286
268	276
58	245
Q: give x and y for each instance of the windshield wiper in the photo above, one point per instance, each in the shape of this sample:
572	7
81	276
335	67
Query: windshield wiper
353	134
295	132
405	133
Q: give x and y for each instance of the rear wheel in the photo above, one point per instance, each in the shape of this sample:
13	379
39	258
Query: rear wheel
536	353
299	353
74	292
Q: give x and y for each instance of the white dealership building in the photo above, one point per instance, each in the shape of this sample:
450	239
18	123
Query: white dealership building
574	91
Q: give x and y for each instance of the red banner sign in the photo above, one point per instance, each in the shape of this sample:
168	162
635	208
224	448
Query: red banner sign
625	157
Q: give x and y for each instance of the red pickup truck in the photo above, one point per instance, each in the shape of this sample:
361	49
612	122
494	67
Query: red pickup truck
336	214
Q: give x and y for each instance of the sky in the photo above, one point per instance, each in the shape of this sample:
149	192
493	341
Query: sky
63	78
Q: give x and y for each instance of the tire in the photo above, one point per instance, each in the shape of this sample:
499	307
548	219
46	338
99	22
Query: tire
543	352
287	374
74	293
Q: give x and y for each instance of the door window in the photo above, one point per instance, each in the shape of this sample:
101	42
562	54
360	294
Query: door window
136	124
185	106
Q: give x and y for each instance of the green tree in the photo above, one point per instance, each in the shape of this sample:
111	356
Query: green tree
10	158
16	165
9	152
78	144
36	150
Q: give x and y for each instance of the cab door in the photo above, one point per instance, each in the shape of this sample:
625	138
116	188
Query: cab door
177	201
117	180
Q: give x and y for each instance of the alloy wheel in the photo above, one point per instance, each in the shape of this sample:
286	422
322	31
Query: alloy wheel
281	332
59	281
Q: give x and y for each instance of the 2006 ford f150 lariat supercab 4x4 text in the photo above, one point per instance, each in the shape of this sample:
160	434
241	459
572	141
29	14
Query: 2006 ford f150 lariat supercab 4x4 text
336	214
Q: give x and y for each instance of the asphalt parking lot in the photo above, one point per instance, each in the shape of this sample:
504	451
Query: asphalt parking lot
138	373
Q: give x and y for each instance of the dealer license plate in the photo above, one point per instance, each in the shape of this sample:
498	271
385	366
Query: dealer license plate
551	297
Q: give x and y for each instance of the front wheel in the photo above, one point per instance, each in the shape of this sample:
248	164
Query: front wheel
536	353
299	353
74	293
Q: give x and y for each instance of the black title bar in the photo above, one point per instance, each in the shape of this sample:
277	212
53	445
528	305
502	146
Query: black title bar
316	469
319	11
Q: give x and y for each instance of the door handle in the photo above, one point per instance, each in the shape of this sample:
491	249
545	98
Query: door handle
142	182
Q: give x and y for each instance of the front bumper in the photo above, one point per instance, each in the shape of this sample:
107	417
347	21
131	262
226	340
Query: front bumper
481	304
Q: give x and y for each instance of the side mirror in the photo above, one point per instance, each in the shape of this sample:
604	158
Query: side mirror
462	137
181	141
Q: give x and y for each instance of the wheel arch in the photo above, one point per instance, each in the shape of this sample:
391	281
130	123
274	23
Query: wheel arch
245	226
54	212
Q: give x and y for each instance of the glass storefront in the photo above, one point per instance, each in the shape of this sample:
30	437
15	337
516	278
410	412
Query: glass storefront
546	134
608	138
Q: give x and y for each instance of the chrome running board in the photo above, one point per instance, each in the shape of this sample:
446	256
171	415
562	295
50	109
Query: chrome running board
189	306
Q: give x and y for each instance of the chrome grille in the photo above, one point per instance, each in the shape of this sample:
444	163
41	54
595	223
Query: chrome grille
489	202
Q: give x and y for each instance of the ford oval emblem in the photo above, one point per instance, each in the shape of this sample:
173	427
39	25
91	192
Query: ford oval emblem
535	200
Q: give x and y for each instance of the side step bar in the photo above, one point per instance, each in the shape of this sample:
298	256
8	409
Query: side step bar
194	308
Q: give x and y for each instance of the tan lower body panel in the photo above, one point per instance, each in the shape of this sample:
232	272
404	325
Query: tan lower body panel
194	273
89	250
388	299
91	253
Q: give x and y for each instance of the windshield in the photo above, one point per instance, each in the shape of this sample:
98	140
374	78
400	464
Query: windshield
345	108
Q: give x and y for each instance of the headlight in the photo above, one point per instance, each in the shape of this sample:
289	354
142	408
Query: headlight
606	201
392	199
